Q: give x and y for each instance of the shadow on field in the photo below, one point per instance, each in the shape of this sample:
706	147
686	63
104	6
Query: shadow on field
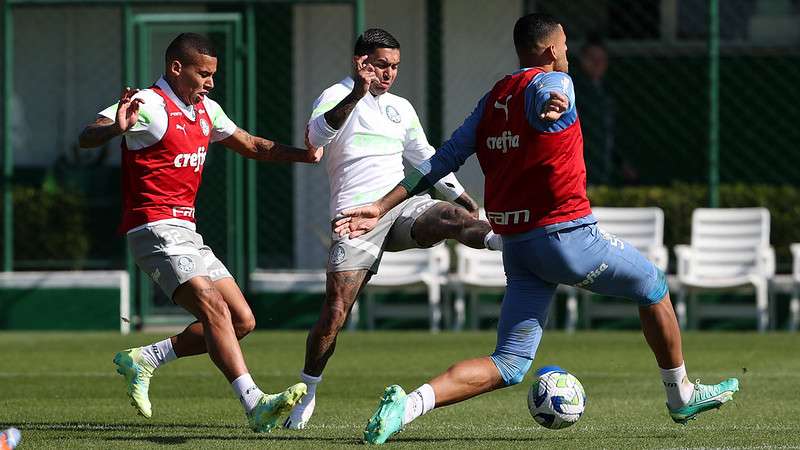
177	440
105	426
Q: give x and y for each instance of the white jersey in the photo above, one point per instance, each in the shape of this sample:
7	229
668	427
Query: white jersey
153	120
364	160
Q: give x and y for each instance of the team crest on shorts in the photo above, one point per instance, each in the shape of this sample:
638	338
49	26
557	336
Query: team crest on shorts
337	254
204	126
185	264
392	114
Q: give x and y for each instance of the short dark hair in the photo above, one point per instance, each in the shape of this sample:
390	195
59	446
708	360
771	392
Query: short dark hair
373	39
532	29
182	47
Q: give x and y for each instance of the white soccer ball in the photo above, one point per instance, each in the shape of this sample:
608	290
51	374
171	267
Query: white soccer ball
556	399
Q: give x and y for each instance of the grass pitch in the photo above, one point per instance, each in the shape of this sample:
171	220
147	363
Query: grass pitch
62	392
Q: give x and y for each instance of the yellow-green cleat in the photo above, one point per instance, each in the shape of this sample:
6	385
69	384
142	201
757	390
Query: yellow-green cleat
270	407
388	419
137	372
705	397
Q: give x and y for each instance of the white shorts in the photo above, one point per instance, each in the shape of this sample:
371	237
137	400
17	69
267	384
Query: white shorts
392	233
172	255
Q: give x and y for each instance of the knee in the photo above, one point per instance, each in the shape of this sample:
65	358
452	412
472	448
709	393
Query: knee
512	368
657	293
244	325
334	316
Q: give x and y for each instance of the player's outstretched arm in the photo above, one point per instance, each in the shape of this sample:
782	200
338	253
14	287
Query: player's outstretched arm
362	220
104	129
261	149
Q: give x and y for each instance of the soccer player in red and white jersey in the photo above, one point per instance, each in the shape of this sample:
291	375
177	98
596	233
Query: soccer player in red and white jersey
166	132
527	137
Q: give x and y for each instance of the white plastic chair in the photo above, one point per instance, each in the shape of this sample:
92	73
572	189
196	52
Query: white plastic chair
411	270
794	305
480	271
644	229
729	249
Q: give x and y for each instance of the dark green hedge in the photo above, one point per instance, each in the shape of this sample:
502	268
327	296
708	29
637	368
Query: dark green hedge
49	225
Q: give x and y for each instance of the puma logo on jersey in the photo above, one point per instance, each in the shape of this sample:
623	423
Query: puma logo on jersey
503	106
181	127
196	159
504	142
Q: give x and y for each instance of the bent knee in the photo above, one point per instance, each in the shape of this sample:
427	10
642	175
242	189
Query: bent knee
244	325
512	367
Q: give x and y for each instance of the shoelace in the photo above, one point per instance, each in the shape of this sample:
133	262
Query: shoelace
703	391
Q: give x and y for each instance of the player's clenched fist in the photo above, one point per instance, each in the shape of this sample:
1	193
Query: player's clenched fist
555	106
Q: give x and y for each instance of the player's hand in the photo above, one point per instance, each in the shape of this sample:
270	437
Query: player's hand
313	154
466	202
555	106
127	110
365	76
357	221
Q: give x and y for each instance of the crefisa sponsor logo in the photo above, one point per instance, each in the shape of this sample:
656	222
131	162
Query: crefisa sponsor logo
504	142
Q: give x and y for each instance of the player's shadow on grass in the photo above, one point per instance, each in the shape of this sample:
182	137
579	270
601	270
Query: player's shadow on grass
106	426
178	440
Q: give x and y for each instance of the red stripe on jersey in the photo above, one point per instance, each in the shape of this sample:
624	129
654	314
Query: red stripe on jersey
161	181
533	178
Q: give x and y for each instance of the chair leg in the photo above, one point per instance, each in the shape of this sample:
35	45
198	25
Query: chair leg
370	298
694	311
794	309
680	308
434	303
475	308
460	307
572	309
762	307
588	307
352	322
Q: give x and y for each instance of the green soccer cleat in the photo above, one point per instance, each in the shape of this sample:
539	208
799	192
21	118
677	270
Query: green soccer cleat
704	397
388	419
270	407
137	372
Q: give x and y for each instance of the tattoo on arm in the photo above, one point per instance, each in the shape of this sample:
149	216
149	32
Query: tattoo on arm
98	133
338	115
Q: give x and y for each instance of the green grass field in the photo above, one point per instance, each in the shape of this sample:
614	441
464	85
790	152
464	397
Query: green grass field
62	392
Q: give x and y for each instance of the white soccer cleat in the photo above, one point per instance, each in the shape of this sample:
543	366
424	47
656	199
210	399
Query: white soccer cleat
301	413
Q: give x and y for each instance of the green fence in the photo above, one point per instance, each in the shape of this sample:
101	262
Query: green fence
694	92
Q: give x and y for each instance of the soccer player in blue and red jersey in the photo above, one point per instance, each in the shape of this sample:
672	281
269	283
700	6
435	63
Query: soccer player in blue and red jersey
527	137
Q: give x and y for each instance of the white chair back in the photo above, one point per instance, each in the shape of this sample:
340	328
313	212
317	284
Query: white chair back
641	227
410	266
795	248
728	243
480	267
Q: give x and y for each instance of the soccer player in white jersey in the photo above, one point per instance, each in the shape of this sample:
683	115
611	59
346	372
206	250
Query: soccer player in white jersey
367	132
166	132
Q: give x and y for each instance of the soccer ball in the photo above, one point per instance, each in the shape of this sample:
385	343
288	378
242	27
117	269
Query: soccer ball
556	399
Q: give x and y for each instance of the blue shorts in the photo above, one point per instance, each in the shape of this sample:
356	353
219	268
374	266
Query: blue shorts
577	253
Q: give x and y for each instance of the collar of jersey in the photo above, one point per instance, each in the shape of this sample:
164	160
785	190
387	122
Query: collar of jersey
187	110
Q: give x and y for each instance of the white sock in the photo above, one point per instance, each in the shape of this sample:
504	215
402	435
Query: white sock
419	402
159	353
302	413
247	391
676	383
493	241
